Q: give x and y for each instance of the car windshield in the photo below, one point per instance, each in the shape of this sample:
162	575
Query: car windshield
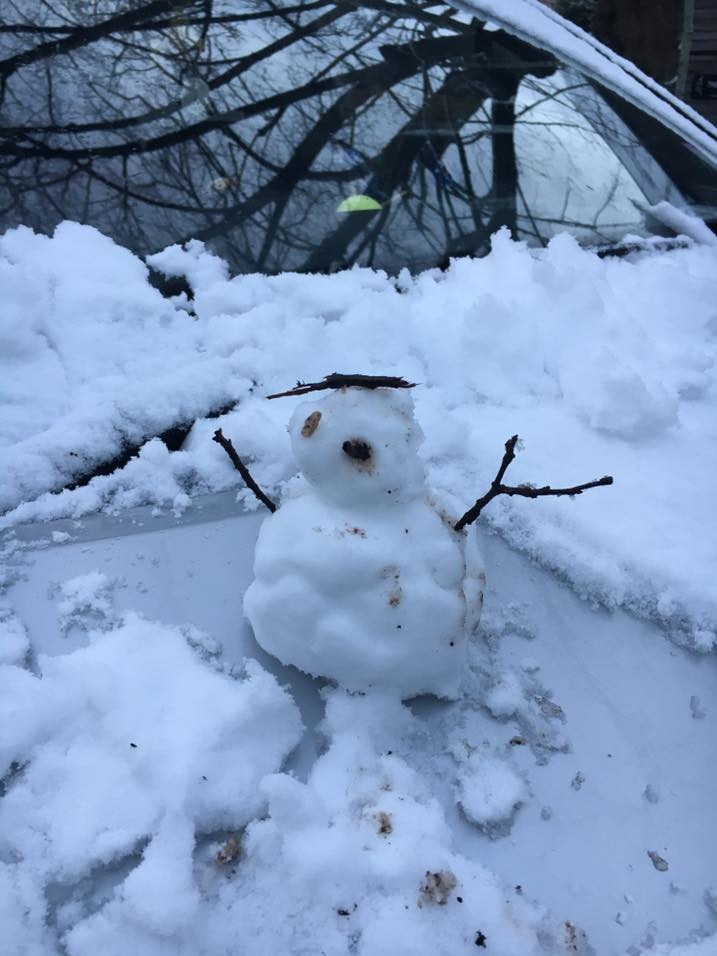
318	135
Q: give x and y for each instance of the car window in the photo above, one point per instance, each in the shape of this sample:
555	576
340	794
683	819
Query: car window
314	136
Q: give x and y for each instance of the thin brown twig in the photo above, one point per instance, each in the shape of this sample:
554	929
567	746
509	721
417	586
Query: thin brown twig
338	380
525	491
242	469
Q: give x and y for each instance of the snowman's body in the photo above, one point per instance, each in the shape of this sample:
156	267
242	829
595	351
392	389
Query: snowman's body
357	578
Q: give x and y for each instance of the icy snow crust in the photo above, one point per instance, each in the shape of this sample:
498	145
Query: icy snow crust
600	366
357	578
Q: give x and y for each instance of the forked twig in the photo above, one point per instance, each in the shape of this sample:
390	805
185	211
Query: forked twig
338	380
242	469
525	491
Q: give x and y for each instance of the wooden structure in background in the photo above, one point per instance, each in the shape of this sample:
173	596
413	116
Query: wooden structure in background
698	66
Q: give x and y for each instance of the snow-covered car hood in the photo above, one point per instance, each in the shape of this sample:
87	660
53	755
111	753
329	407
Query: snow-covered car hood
576	772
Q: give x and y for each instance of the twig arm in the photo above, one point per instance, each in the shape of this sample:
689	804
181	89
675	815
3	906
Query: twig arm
226	444
524	491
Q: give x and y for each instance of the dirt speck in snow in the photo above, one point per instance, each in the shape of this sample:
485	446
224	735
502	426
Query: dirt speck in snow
385	823
437	887
230	852
659	862
578	780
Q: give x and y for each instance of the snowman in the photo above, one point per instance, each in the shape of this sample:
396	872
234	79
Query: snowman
357	577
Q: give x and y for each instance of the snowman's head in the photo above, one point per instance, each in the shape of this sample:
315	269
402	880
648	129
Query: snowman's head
359	446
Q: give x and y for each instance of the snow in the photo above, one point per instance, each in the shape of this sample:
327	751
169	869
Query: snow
356	576
86	601
601	366
488	790
145	741
14	643
683	223
293	890
561	764
567	674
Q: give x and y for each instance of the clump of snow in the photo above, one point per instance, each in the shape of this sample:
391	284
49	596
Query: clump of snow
147	741
192	262
86	602
79	321
488	790
357	860
505	696
614	397
356	576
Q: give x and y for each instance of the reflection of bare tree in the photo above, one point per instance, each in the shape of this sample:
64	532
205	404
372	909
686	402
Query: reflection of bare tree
247	124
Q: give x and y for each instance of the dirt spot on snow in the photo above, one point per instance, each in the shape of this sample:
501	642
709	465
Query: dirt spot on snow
311	424
659	862
578	780
437	887
230	852
385	823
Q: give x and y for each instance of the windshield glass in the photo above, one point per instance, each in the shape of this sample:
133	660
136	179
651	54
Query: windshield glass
314	136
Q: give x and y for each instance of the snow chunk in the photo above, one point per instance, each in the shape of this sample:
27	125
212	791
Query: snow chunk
506	696
191	261
489	791
614	397
133	728
85	601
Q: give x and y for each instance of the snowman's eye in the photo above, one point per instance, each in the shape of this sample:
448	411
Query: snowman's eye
311	424
359	450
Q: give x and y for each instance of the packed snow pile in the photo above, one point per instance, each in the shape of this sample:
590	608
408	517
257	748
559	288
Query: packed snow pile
357	577
358	859
130	745
599	365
